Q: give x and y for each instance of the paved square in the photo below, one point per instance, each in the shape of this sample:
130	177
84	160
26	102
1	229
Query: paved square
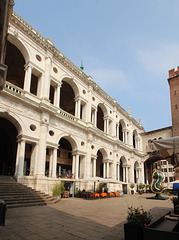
75	218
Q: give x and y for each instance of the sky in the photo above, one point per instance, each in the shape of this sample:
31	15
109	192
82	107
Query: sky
127	47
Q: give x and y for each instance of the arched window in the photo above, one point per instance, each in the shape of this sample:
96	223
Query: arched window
120	132
135	139
99	164
67	97
100	118
15	62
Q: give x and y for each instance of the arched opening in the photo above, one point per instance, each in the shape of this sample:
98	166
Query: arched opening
134	139
8	147
100	119
15	62
136	165
120	132
99	164
150	164
121	171
64	158
67	98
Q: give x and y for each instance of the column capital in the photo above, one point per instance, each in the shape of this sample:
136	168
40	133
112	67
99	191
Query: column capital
59	84
28	64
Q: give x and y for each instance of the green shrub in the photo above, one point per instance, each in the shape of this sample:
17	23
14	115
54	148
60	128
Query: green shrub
132	185
168	191
99	188
147	186
76	191
58	189
141	186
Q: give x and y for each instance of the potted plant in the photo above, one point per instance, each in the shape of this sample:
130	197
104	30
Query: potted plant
141	188
132	186
147	186
168	191
77	192
58	189
175	202
99	188
137	220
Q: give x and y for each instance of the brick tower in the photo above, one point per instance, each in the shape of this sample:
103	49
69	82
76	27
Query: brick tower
173	81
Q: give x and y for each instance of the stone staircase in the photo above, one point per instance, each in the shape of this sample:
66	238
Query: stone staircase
17	195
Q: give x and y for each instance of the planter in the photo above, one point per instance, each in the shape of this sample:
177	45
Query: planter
176	207
132	191
133	232
156	230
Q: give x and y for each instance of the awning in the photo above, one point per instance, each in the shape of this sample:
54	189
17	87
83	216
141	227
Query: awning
168	148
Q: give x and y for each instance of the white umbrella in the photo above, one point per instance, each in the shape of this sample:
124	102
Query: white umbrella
102	180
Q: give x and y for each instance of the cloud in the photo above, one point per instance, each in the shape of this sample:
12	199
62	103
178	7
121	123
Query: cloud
110	78
159	57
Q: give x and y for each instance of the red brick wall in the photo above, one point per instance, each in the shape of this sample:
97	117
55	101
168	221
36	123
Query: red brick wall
174	96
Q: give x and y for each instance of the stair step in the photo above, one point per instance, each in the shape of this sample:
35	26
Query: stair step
17	195
25	205
24	201
20	198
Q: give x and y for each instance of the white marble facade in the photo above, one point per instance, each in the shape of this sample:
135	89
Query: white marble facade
65	123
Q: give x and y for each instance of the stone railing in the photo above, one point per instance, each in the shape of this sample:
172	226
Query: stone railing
14	89
66	115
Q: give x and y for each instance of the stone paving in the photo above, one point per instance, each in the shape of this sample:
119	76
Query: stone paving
75	218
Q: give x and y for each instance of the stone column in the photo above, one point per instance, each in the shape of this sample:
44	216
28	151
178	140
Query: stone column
57	96
142	172
117	172
20	159
79	108
40	86
54	163
117	130
50	162
77	166
27	79
94	167
73	165
76	108
107	170
88	117
139	175
46	80
123	136
17	158
114	174
168	180
87	165
104	170
42	149
127	137
124	174
107	126
127	175
33	164
95	118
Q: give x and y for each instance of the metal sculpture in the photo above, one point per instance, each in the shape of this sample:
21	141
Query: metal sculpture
158	178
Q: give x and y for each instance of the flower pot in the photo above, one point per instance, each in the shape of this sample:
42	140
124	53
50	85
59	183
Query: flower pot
132	191
133	232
